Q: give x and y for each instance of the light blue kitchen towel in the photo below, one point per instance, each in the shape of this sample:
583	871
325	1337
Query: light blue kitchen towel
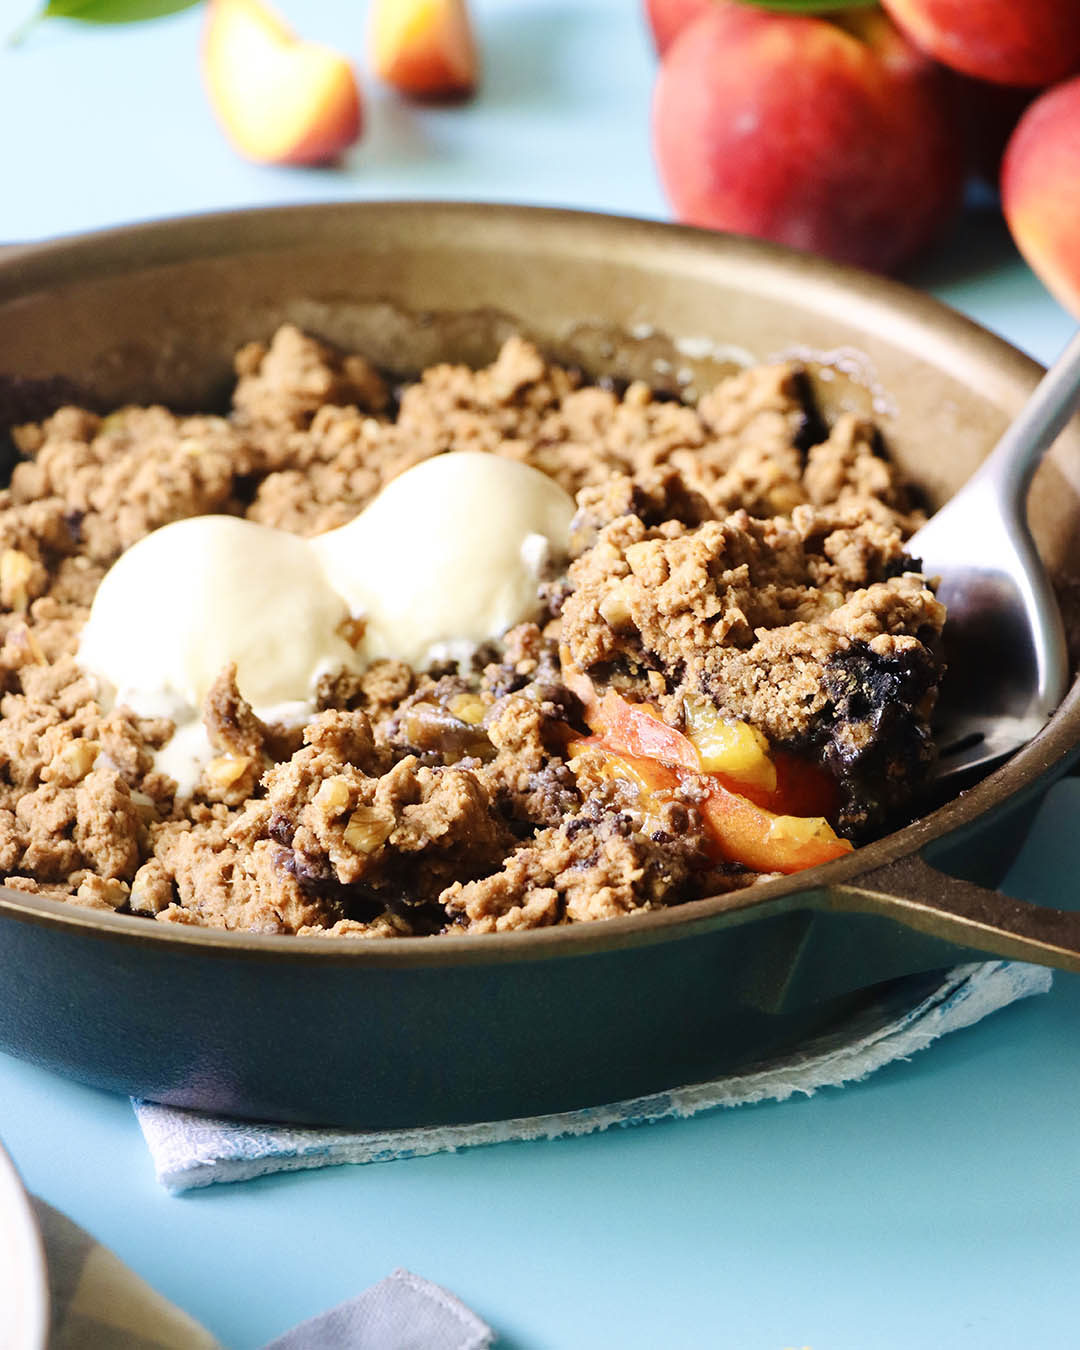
190	1150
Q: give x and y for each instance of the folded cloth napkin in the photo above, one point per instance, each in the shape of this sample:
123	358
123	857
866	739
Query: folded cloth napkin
190	1150
96	1301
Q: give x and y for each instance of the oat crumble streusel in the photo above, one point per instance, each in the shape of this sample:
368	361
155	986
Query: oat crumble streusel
717	557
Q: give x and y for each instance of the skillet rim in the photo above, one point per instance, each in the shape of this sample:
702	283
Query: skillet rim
947	340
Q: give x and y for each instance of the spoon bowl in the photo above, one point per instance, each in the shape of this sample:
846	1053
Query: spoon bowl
1007	666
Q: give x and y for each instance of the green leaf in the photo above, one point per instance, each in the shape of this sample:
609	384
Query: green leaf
113	11
810	6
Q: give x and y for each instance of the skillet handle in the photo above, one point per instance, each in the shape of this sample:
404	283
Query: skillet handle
932	902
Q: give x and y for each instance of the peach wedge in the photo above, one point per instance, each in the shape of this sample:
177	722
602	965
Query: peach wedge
279	99
424	48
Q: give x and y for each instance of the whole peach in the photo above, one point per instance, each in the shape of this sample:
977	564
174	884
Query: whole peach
1040	190
833	138
1032	42
667	18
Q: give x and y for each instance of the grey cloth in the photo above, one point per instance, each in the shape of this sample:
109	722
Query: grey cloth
97	1303
402	1312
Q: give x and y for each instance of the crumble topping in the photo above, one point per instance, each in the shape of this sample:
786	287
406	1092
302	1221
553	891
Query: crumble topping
736	552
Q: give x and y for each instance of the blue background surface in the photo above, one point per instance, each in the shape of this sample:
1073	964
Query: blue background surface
937	1204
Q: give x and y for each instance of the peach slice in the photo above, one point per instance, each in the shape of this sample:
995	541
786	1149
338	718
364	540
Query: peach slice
738	829
425	48
280	100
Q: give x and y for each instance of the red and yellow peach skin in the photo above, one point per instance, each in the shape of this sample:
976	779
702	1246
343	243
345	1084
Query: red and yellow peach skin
667	18
1022	42
424	48
280	100
1040	190
833	137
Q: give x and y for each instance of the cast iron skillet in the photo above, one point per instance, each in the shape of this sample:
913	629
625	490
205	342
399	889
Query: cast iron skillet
439	1030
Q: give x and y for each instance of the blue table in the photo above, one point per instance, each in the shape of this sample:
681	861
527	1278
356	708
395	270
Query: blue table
936	1204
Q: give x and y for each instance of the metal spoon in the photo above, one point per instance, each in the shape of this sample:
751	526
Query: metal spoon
1004	642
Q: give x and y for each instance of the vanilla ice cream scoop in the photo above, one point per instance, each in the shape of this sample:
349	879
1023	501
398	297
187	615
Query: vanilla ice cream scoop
187	600
449	555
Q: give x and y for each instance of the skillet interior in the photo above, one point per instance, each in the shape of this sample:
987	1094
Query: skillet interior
154	313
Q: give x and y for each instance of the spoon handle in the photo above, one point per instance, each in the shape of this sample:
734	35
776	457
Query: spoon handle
1011	465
